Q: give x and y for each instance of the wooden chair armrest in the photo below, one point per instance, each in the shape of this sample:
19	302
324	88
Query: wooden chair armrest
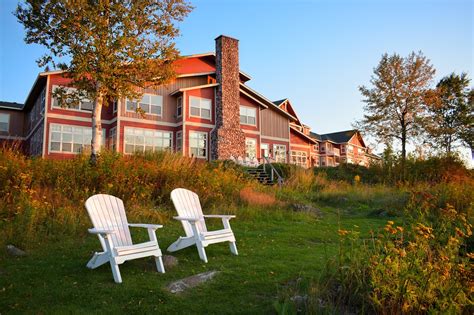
146	226
222	216
191	220
101	232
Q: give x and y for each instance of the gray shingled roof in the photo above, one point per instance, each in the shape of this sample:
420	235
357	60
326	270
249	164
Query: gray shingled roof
278	103
11	105
337	137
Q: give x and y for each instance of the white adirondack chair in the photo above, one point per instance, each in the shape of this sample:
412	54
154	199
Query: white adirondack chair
190	214
107	214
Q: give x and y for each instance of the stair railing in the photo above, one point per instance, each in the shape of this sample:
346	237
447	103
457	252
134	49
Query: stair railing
273	171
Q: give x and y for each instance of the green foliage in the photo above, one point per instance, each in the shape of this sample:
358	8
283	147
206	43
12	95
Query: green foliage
421	266
109	49
450	112
394	103
436	169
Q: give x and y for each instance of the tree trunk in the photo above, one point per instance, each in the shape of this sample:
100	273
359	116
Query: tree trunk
404	151
96	128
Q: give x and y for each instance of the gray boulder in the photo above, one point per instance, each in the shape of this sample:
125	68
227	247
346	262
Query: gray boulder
191	282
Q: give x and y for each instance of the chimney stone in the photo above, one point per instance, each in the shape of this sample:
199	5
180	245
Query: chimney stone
227	138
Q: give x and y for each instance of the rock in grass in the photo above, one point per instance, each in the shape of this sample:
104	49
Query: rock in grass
299	207
14	251
169	261
191	282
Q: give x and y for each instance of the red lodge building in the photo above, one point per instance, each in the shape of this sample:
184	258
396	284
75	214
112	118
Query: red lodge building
207	112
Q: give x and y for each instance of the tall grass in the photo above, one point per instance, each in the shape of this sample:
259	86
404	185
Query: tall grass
44	198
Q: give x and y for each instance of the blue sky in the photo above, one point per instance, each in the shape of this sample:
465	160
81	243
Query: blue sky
316	53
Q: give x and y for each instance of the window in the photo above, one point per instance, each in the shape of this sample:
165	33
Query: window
70	139
179	107
198	144
299	158
316	147
85	104
248	116
150	104
250	148
200	107
343	149
113	139
4	122
264	148
36	142
279	151
115	106
146	140
179	141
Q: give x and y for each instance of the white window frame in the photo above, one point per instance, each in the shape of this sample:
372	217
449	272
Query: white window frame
113	139
144	144
206	139
299	158
247	110
179	105
115	106
179	141
84	144
8	117
247	143
262	147
79	109
138	102
275	146
202	101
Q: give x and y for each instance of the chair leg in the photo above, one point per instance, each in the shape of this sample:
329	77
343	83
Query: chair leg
116	271
159	264
202	252
233	248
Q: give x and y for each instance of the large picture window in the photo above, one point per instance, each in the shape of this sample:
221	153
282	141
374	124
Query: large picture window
200	107
141	140
4	122
299	158
198	144
150	104
248	116
70	139
84	104
250	148
279	153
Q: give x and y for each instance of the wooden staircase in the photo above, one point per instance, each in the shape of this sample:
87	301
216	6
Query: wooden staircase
260	175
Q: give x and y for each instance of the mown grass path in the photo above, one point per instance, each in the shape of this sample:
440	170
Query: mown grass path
275	247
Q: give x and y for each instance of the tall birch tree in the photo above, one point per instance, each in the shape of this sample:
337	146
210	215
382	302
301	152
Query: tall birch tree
394	103
110	49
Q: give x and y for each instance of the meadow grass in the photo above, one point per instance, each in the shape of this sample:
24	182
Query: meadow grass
282	252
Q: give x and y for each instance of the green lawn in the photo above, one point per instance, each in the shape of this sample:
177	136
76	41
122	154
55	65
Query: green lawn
275	247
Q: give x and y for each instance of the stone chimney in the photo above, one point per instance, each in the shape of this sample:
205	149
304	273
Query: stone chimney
227	138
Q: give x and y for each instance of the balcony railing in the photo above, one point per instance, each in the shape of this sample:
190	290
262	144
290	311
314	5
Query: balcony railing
334	151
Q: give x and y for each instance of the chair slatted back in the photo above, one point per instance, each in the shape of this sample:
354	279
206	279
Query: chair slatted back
187	205
108	213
